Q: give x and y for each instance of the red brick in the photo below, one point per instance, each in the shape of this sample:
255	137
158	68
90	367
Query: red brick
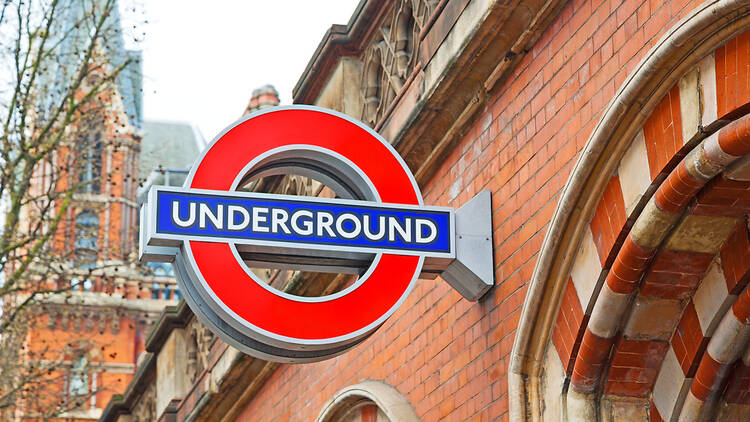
608	219
738	387
529	137
653	413
688	342
635	366
675	274
735	259
732	78
663	132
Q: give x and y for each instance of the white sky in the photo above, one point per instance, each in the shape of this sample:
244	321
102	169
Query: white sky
201	60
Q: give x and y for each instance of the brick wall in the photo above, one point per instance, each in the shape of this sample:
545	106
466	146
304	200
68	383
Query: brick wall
448	356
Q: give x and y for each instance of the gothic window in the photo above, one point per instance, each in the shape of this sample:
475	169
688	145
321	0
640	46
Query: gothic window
391	57
373	76
90	165
86	242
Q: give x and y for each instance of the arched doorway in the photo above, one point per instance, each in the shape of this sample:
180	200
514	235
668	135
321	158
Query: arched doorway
638	307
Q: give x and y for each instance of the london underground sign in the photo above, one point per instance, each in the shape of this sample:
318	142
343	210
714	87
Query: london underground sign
377	228
272	220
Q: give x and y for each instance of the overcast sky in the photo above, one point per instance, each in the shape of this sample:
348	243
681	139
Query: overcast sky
201	60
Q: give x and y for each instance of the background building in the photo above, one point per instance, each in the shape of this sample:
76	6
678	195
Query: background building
101	322
612	136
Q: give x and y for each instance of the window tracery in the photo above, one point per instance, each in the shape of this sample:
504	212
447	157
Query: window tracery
200	340
391	57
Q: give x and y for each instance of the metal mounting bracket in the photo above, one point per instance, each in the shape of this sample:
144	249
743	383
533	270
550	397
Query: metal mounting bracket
472	273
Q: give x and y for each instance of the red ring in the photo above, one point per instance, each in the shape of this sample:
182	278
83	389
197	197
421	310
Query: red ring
341	316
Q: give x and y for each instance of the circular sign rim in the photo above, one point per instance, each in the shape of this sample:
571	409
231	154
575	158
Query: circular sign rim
228	315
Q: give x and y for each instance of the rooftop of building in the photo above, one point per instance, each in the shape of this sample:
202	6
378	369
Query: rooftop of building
170	145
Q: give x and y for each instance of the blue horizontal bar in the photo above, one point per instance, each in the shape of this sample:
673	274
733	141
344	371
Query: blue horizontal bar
243	218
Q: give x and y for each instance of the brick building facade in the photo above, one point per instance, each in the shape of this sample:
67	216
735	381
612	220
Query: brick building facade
613	137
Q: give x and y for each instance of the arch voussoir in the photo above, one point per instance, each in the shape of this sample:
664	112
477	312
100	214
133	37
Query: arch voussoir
650	230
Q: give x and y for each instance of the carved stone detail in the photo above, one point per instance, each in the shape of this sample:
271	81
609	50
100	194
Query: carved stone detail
200	340
115	323
298	185
145	409
391	57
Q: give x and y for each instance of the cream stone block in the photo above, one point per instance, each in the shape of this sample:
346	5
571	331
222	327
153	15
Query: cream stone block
669	385
464	28
633	172
608	311
710	297
691	409
579	407
701	233
172	379
729	340
586	269
707	84
652	225
553	380
341	92
690	106
653	318
623	409
225	363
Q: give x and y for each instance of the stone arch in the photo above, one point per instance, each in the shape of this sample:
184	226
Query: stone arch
395	406
565	347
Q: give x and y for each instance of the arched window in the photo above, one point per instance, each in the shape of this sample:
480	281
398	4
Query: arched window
90	164
78	378
79	284
368	401
86	242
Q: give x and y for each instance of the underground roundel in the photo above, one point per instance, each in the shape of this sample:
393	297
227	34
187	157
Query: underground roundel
376	228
